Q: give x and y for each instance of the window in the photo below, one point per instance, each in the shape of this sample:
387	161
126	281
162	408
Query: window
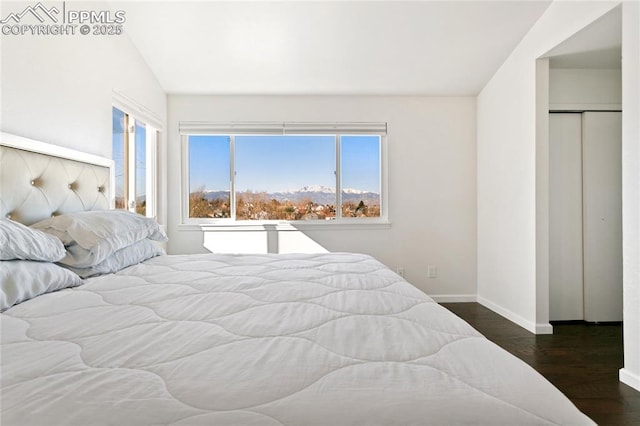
360	173
133	151
309	175
209	177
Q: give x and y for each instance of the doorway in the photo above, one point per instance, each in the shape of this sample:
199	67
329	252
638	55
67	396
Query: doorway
585	216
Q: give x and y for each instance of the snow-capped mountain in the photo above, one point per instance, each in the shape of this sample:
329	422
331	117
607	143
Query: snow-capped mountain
355	191
313	188
326	190
318	193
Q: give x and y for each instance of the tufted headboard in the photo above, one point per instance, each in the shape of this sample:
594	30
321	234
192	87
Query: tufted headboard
38	180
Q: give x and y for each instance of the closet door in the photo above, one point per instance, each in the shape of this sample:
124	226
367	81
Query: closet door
565	217
602	215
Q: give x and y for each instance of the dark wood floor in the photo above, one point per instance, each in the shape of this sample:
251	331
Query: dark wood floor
582	360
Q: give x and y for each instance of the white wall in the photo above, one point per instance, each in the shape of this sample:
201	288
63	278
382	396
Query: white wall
630	374
572	89
508	273
431	150
59	89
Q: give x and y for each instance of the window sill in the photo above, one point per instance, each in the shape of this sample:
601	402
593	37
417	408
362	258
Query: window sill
240	226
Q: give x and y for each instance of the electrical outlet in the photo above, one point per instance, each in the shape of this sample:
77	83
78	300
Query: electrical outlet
432	271
400	271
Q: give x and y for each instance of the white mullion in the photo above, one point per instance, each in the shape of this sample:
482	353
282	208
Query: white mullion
384	180
151	170
131	164
232	175
338	179
186	184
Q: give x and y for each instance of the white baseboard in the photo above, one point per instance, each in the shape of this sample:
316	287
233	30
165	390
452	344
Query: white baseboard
542	328
454	298
517	319
629	378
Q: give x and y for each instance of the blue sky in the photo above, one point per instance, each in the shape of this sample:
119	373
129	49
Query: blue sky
280	163
209	163
141	159
276	163
360	160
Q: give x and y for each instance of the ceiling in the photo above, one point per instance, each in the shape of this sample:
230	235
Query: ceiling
328	47
598	45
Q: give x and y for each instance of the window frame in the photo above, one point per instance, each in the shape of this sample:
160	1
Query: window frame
232	130
134	115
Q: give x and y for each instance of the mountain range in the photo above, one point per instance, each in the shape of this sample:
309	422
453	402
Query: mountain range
318	193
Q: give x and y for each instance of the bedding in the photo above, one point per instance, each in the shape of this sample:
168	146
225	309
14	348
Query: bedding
21	280
315	339
120	259
96	235
19	242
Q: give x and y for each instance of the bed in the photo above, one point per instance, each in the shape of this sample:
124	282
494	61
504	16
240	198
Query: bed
220	339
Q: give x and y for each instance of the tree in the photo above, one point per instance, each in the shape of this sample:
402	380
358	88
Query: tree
361	210
198	205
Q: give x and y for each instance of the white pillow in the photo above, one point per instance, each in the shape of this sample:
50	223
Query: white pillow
21	280
101	233
131	255
18	241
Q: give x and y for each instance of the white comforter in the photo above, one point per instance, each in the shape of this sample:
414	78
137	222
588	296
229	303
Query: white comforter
329	339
